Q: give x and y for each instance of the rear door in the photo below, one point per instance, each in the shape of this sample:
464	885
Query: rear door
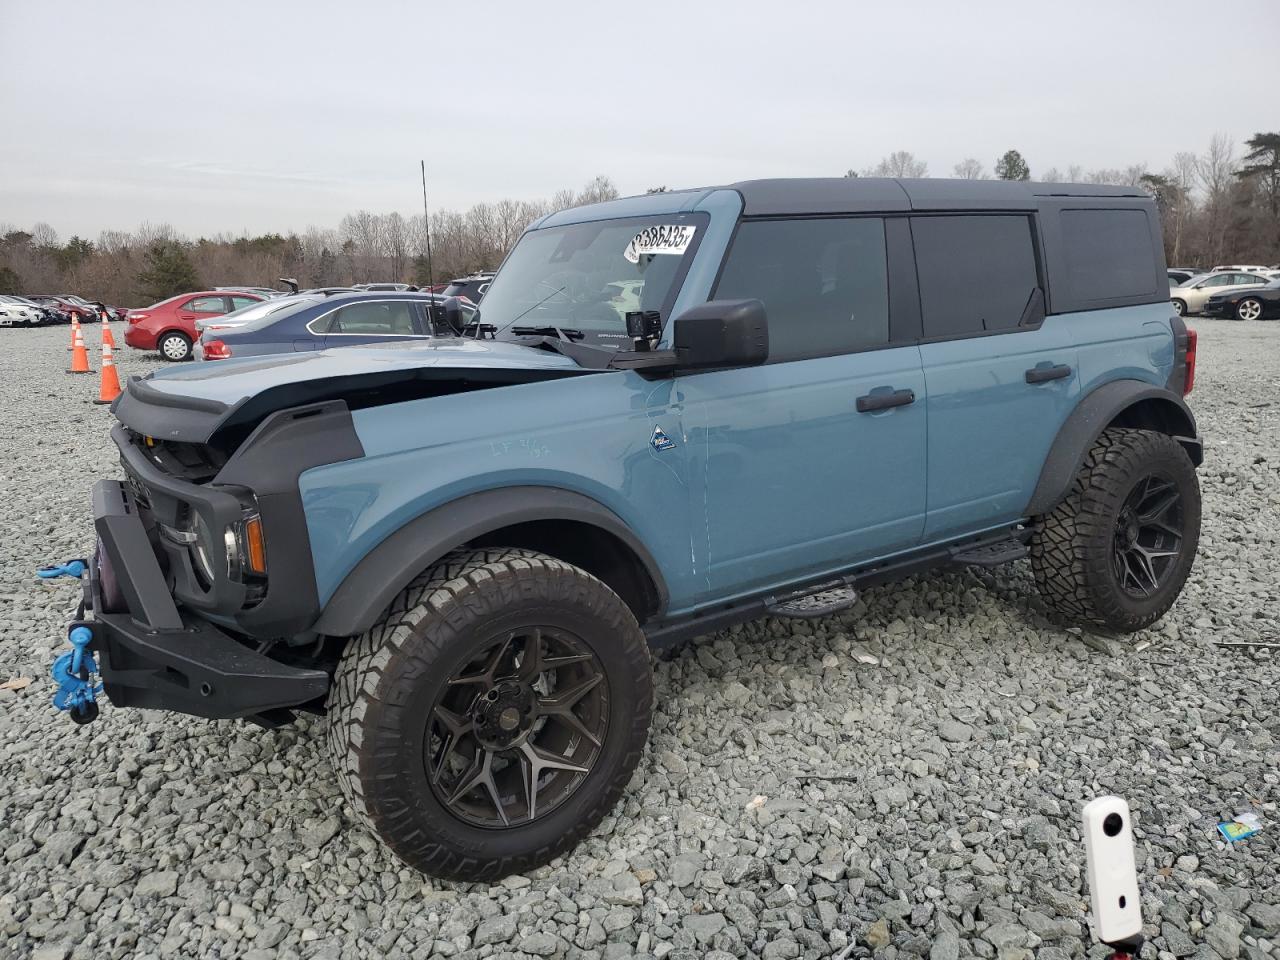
815	460
1001	377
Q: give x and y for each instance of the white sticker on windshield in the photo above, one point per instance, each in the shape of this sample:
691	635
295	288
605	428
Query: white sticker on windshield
666	238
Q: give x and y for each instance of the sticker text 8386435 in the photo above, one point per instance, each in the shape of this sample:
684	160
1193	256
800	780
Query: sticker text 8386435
664	238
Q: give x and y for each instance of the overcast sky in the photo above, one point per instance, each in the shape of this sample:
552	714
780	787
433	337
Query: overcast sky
252	116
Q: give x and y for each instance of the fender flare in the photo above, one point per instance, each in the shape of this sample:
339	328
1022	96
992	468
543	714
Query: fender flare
1091	416
389	567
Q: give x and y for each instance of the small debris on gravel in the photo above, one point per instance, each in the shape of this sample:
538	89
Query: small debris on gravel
903	780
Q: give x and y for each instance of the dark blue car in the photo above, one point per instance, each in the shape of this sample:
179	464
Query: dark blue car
314	322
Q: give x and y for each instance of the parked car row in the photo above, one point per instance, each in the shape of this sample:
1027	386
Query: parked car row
1190	296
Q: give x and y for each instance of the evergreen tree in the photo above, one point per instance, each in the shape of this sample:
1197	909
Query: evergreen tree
1012	167
168	271
1263	161
9	282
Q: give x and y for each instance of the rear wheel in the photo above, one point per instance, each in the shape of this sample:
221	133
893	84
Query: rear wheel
174	346
493	716
1250	308
1116	552
1180	307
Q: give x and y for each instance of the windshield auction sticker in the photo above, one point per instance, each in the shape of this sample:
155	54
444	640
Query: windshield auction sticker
664	239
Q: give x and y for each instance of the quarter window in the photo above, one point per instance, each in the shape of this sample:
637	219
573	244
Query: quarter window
239	303
977	273
1109	254
824	283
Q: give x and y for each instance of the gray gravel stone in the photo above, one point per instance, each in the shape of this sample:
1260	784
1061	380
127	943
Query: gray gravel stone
920	761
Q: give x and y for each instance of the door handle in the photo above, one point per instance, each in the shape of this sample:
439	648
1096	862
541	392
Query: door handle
883	401
1045	374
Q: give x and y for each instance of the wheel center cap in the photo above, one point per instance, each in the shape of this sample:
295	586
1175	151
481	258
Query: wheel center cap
504	715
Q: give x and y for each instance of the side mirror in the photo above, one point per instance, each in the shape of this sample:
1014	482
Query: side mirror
446	317
721	333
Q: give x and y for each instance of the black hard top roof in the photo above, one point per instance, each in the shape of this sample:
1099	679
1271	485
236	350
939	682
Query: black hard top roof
888	195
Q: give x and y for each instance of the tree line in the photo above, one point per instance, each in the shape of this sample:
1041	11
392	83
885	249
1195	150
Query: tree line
155	261
1218	206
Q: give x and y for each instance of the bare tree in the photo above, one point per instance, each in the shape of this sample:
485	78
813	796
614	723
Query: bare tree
970	168
1215	170
900	163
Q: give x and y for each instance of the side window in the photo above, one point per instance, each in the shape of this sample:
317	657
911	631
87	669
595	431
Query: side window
239	303
206	305
1109	254
379	318
1248	278
1221	280
977	273
824	283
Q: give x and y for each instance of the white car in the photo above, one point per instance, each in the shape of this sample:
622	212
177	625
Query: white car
1189	297
17	315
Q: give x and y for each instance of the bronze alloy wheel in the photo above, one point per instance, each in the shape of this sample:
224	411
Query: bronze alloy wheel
1148	536
516	731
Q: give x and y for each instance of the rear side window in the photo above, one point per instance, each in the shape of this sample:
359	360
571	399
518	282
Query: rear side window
376	318
1108	254
824	283
239	303
977	273
206	305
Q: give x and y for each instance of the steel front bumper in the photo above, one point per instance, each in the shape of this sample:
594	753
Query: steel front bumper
151	653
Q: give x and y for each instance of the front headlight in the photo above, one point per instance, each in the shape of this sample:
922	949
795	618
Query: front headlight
241	547
203	545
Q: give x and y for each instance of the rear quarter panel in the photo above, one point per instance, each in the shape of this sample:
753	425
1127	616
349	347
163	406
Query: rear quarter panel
1123	343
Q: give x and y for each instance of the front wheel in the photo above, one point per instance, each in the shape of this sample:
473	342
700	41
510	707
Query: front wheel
175	347
1249	308
1180	307
1116	552
493	716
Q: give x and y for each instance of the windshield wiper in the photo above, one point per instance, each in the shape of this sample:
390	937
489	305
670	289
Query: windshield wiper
563	333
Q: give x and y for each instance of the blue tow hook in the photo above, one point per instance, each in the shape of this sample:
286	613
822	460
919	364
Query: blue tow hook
74	672
72	568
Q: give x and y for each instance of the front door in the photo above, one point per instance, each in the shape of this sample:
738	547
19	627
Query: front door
815	460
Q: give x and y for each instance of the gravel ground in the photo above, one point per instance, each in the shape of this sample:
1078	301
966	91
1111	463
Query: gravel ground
905	779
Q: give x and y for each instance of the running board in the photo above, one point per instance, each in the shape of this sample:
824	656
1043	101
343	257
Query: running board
667	633
991	554
814	602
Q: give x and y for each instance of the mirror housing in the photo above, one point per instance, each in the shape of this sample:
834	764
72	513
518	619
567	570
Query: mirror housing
446	317
721	333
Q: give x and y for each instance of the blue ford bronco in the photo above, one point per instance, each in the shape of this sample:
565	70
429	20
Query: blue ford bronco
673	413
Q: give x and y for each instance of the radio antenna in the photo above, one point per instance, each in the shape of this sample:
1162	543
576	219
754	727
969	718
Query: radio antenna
426	224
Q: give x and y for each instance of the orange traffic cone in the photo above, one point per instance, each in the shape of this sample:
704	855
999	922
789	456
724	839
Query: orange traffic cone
107	336
75	330
110	388
79	355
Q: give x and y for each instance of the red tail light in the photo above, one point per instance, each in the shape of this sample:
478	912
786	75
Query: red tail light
136	317
215	350
1189	380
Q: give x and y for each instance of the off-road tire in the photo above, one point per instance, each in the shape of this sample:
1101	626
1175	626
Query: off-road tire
386	684
1071	550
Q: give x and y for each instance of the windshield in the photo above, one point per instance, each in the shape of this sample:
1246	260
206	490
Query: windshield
584	278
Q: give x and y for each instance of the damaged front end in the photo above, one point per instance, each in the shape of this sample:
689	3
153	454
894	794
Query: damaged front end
200	596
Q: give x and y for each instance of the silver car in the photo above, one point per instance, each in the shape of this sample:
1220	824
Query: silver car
1189	297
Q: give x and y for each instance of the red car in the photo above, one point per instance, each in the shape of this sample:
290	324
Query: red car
170	325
